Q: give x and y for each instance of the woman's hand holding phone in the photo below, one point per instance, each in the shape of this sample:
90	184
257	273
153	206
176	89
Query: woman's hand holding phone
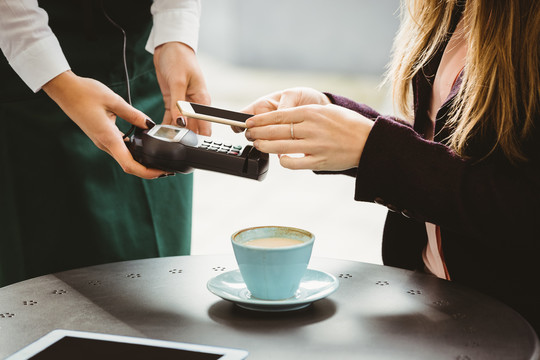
303	121
285	99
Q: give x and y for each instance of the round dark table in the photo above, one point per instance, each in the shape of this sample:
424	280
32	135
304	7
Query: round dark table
378	312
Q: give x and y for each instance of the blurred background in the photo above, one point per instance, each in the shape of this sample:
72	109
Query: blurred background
249	48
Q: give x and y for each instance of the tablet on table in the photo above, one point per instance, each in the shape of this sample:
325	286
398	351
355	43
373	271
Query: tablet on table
82	345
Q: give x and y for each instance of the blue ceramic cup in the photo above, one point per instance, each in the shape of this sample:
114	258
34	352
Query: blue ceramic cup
272	273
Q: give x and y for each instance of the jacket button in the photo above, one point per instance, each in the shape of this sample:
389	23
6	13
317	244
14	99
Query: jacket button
379	201
392	208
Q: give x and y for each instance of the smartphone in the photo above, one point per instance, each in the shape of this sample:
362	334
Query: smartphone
209	113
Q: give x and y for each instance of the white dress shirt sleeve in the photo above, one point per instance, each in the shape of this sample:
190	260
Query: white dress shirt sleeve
174	21
34	52
29	44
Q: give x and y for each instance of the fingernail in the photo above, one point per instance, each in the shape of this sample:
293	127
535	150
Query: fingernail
181	122
248	135
150	124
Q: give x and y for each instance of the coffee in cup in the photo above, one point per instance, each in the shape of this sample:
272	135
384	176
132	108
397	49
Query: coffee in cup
272	259
273	242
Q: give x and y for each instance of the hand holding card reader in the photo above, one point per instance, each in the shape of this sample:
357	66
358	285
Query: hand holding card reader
175	149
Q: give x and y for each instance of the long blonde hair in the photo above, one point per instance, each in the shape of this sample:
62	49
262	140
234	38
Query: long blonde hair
500	93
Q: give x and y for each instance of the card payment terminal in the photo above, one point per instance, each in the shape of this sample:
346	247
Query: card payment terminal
176	149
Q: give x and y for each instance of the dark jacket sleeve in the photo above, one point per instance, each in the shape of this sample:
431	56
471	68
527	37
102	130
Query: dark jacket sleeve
488	210
353	105
362	109
490	200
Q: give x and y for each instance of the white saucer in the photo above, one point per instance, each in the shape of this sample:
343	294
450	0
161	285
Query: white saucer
315	285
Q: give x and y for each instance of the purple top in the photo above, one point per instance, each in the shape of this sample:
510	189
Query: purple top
487	210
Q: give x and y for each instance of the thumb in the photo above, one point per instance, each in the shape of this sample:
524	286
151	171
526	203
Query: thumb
127	112
173	107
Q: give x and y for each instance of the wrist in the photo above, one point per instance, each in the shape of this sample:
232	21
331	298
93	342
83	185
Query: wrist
59	84
177	45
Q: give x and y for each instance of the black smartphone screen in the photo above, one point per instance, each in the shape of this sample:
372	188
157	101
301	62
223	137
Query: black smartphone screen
226	114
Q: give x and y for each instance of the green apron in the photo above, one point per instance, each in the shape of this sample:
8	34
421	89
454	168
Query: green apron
63	202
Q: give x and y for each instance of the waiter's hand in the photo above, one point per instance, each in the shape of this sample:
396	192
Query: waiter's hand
94	107
180	78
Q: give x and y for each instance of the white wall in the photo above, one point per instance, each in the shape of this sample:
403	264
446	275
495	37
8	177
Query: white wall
249	48
351	36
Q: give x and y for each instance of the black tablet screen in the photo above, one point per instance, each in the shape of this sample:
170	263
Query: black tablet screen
82	349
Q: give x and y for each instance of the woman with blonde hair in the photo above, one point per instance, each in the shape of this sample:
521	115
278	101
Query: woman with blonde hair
460	169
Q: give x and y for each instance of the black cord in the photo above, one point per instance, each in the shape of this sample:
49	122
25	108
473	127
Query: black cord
124	58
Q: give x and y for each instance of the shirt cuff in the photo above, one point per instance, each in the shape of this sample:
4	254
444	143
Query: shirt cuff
40	62
174	26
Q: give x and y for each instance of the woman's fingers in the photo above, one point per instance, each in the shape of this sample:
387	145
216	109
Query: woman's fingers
293	123
262	105
283	146
331	137
306	162
295	97
285	116
276	132
127	112
123	157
